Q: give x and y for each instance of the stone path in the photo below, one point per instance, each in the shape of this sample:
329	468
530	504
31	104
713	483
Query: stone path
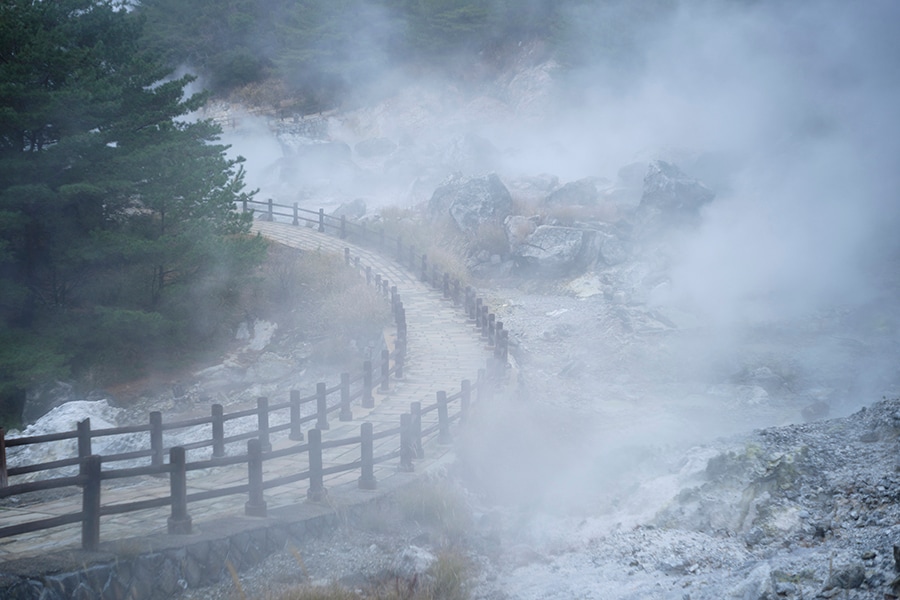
442	350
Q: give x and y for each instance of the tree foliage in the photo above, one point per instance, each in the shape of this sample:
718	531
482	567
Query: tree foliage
116	209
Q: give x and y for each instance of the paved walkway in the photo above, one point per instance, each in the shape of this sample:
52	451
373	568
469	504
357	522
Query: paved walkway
442	350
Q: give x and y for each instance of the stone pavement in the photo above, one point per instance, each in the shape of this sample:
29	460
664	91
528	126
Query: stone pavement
443	349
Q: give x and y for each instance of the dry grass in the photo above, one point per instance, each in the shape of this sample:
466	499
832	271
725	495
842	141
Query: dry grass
436	504
316	294
446	579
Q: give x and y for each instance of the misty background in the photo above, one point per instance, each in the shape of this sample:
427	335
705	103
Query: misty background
787	111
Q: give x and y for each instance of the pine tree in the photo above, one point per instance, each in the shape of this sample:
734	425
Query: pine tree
114	204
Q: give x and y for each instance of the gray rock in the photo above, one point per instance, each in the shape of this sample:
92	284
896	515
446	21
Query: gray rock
667	188
613	251
847	578
355	209
670	199
519	228
584	192
554	250
413	562
471	201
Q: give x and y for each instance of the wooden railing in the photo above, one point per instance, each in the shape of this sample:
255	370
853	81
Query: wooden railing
466	297
409	432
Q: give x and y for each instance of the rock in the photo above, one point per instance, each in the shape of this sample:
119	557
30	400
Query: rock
519	228
41	399
613	251
758	584
846	578
471	201
375	147
584	192
554	250
666	187
413	562
670	198
355	209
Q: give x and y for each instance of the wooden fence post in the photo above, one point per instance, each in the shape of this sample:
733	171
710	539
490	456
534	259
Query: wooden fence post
4	477
385	371
218	430
90	502
415	413
179	521
256	504
368	275
401	325
443	419
321	220
322	406
262	418
492	318
271	211
346	413
156	438
465	399
296	431
367	479
367	400
316	491
84	438
378	282
399	351
477	315
484	321
296	220
406	448
480	394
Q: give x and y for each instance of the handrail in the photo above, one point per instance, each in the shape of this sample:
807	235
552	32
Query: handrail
410	431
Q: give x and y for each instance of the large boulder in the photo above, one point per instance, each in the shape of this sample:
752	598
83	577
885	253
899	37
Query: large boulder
355	209
471	201
667	188
584	192
670	199
553	250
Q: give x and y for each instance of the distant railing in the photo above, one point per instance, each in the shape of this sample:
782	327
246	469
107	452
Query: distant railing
410	432
492	330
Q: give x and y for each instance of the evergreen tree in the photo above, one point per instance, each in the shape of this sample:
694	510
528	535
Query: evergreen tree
114	206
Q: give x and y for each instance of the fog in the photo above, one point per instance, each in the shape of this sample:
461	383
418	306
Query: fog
787	110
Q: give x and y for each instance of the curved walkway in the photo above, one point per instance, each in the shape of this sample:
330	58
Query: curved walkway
442	350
